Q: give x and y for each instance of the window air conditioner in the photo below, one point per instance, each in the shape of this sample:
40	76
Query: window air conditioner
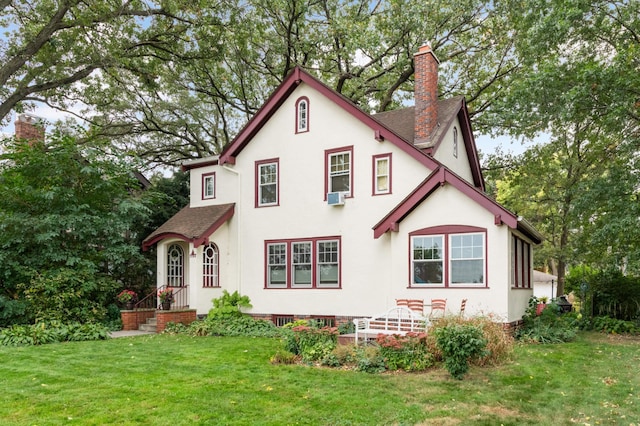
335	198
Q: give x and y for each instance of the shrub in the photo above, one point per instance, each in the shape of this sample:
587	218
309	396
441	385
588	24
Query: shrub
51	332
284	357
459	343
346	327
409	352
500	342
228	305
313	344
549	327
340	355
611	325
242	325
369	359
608	292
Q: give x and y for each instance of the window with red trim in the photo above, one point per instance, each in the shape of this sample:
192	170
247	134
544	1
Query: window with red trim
448	256
208	185
302	115
303	263
339	170
175	266
520	263
382	174
210	266
267	183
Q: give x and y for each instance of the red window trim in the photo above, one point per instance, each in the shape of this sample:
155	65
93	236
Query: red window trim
204	177
306	100
327	163
446	231
215	247
314	265
257	182
518	264
374	174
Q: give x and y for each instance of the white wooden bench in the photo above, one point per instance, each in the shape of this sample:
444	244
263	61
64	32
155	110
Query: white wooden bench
397	320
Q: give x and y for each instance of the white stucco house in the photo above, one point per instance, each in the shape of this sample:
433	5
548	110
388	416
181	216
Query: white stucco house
319	210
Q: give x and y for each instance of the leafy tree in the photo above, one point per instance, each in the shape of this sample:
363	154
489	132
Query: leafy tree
177	79
580	88
66	212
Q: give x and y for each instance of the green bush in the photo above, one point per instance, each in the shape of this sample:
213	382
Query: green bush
232	325
611	325
551	326
459	343
313	344
51	332
369	359
607	293
409	352
228	305
68	295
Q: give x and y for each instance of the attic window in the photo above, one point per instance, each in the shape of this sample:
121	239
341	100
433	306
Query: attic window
455	142
302	115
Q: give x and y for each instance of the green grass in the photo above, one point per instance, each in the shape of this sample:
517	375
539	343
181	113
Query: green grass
176	380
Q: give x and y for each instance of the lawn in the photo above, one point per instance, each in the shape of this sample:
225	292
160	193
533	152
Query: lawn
176	380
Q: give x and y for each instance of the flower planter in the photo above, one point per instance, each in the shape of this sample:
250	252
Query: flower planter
166	305
540	307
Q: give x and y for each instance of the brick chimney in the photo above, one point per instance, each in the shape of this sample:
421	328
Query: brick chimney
426	93
30	128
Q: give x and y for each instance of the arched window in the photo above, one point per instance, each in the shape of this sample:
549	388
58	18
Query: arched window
455	142
302	115
175	266
210	264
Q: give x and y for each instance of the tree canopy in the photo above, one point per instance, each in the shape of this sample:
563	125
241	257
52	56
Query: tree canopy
176	79
66	215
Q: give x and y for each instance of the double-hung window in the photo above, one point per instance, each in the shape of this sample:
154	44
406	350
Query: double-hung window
267	193
303	263
339	170
328	264
448	256
428	259
467	258
277	265
208	185
381	174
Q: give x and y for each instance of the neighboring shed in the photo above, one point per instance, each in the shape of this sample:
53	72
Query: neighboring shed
544	284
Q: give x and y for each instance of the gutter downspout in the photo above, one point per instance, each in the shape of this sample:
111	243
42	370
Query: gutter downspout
239	240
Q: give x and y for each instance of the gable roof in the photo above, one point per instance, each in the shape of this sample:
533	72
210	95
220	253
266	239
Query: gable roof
402	122
435	180
192	224
297	76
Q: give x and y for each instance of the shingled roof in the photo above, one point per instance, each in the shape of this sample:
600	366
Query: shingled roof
402	121
192	224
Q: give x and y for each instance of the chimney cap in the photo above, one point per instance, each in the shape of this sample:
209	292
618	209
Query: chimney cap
426	48
26	117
